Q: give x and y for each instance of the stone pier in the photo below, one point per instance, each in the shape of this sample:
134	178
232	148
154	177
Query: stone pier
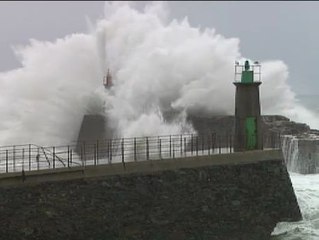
226	197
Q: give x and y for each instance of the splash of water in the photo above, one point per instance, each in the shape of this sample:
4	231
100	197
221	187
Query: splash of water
157	66
301	153
290	152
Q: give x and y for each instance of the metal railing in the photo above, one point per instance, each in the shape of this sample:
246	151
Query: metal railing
31	157
256	68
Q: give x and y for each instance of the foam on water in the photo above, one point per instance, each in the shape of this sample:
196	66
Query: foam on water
307	193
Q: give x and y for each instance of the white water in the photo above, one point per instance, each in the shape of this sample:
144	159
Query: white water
290	152
307	191
157	65
306	187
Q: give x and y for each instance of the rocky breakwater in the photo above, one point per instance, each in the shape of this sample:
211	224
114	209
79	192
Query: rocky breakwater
299	143
284	126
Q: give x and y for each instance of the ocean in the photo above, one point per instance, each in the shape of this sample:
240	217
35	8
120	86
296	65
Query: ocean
306	188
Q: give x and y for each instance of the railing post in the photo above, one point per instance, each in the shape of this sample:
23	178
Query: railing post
135	159
173	149
22	159
170	146
14	158
213	144
231	143
53	157
38	159
184	146
208	145
160	148
84	154
219	144
226	142
68	156
97	152
81	153
94	154
192	144
71	156
181	145
108	150
202	145
122	151
111	150
29	157
7	167
147	149
196	145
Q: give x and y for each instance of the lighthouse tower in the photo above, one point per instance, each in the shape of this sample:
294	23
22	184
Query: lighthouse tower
248	125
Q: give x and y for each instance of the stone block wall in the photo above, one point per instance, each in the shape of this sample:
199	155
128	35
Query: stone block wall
231	201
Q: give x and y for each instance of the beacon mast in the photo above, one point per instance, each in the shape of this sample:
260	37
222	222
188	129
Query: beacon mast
107	80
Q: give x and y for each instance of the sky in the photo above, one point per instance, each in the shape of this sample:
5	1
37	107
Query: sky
268	30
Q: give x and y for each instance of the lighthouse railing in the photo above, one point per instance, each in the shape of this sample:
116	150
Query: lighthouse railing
32	157
256	68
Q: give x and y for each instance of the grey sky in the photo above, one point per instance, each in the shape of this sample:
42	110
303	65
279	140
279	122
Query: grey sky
267	30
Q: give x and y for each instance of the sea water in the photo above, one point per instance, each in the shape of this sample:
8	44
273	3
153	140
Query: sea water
306	188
